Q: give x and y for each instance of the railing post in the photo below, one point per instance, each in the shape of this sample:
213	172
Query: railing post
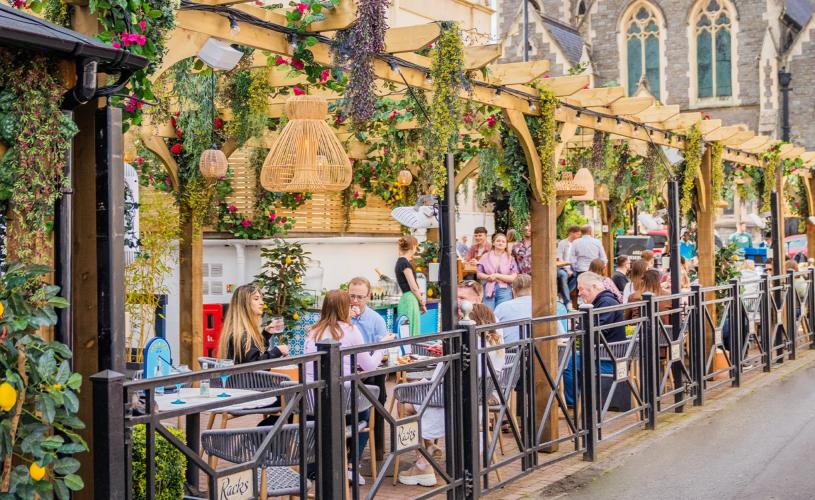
650	349
589	381
469	393
792	327
765	323
523	406
736	332
811	307
331	423
697	345
109	460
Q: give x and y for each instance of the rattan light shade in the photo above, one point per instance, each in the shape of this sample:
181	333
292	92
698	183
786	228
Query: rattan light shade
213	163
567	187
307	156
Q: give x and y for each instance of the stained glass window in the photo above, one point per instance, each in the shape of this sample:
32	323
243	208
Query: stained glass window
642	39
714	45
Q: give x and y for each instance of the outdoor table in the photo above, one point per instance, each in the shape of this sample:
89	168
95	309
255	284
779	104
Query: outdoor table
192	398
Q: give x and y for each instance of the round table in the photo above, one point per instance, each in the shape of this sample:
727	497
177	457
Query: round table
192	398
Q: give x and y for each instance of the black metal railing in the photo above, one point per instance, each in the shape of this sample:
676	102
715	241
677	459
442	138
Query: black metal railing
559	388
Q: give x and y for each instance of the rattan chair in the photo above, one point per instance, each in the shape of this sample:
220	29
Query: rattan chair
275	474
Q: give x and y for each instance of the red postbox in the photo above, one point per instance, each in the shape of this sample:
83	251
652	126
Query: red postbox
213	321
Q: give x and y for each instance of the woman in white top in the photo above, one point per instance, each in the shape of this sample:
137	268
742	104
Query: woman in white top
635	276
432	425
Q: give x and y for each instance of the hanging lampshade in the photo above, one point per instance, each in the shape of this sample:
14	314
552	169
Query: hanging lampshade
584	178
307	156
404	178
213	163
567	187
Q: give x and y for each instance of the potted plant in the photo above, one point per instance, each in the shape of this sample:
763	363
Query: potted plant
281	280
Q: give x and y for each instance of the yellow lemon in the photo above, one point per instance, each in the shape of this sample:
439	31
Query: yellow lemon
429	292
57	387
297	279
288	260
8	396
36	472
295	316
2	309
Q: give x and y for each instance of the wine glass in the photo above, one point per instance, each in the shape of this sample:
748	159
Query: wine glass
225	363
179	369
278	324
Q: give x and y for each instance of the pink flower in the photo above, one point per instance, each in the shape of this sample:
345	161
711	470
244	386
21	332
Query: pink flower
280	61
393	115
130	108
385	150
362	179
356	194
298	91
491	121
176	149
172	121
178	133
246	223
297	63
324	75
141	40
302	7
143	25
232	208
139	160
562	162
468	117
298	197
219	124
117	45
167	180
546	76
272	217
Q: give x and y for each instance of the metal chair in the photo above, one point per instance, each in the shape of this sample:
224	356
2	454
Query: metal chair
275	474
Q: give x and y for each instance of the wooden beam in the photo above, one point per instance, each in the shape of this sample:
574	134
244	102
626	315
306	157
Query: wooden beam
736	140
610	125
516	73
656	114
722	133
181	44
708	126
478	56
336	19
682	122
631	105
603	96
756	144
469	168
565	85
793	152
809	185
191	294
411	38
517	122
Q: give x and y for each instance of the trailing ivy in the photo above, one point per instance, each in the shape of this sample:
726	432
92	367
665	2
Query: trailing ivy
487	173
717	169
447	71
38	135
772	159
517	173
691	168
367	37
546	134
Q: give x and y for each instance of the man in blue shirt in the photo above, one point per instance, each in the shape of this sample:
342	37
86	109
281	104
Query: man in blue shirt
370	323
686	248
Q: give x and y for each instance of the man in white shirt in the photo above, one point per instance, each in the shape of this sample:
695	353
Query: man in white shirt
585	249
564	255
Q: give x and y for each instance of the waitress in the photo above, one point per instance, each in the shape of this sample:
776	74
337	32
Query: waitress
411	303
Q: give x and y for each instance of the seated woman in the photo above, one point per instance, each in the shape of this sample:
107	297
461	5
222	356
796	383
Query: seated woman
242	338
432	426
597	266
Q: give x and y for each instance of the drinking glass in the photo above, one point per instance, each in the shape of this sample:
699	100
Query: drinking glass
224	363
277	324
179	369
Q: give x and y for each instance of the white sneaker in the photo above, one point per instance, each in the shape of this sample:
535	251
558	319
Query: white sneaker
360	479
416	476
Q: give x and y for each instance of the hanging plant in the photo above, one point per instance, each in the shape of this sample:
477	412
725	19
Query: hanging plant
692	169
517	173
717	169
772	159
447	72
38	136
248	93
546	134
367	37
487	173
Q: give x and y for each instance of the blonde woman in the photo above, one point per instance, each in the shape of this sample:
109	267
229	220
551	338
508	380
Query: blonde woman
412	303
242	338
497	269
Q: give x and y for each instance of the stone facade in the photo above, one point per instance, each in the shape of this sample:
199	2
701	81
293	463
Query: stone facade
800	62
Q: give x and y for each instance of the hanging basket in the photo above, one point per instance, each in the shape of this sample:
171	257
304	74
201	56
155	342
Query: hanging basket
307	156
566	187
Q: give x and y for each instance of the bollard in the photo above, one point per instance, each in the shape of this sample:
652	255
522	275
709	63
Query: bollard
765	324
469	387
589	376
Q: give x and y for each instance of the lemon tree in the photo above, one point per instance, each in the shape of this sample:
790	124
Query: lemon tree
281	279
38	391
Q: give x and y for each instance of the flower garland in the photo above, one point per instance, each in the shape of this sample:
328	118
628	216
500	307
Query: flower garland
367	37
772	159
447	72
717	169
692	165
546	134
38	135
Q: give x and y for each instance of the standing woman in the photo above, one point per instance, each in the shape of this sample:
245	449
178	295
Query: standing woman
411	303
638	269
497	269
242	338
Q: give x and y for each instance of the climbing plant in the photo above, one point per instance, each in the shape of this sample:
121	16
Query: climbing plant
772	160
690	169
545	137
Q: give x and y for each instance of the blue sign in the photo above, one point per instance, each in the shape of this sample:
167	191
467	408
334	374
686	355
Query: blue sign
158	359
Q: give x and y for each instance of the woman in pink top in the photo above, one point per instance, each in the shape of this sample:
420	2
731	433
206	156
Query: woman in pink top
497	269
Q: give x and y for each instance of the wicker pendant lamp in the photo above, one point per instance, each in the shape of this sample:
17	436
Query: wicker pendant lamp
307	156
213	163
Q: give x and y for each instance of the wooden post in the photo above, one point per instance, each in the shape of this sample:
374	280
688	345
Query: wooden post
704	224
191	321
810	189
608	237
780	267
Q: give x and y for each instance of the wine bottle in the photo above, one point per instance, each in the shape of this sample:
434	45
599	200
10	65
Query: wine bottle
382	276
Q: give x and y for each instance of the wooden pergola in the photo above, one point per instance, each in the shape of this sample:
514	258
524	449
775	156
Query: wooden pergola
506	86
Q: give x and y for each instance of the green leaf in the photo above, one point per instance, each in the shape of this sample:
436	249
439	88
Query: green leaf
46	406
66	465
61	491
74	482
155	14
52	442
74	381
71	448
47	364
71	401
63	373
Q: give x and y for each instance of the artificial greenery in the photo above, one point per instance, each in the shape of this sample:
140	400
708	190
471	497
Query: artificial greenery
38	135
367	37
545	137
447	72
38	391
488	163
517	175
772	160
717	169
691	169
248	94
725	264
170	466
281	280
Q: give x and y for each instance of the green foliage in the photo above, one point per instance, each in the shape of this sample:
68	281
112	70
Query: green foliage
39	135
570	216
517	176
726	259
691	169
545	136
248	94
171	465
46	388
281	280
488	164
717	169
428	253
447	71
772	160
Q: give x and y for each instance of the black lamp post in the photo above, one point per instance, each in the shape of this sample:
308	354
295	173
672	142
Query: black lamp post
784	80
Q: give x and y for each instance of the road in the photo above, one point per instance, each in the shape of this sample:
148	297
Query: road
760	447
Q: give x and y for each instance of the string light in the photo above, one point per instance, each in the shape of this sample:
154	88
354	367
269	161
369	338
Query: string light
532	106
394	67
233	25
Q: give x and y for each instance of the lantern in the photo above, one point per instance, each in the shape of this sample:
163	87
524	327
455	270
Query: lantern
307	156
567	187
404	178
213	163
584	178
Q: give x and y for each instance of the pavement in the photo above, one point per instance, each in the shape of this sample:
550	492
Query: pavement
758	446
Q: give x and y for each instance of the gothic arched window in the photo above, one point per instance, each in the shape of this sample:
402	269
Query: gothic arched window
712	22
641	29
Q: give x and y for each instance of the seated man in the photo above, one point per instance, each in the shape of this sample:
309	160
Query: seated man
592	290
469	290
519	307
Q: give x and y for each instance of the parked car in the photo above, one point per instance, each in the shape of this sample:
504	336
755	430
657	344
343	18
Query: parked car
795	245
